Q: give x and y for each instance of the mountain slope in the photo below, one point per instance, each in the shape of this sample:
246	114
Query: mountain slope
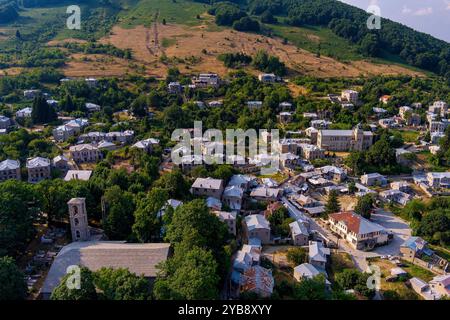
185	36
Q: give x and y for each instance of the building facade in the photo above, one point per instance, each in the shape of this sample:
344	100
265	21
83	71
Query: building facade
344	140
9	170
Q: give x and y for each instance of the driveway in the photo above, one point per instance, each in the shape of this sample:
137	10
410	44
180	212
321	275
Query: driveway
397	226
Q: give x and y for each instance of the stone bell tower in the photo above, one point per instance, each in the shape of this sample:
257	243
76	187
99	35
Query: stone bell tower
78	219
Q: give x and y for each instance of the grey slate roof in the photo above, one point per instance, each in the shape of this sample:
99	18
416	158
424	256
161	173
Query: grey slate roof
9	165
140	259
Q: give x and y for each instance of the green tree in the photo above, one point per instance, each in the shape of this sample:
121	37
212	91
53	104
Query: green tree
297	256
19	207
189	275
86	289
267	17
246	24
354	279
352	187
119	218
364	206
147	225
435	225
195	226
224	172
13	286
381	154
414	210
369	45
67	104
311	289
42	112
121	284
139	106
266	63
175	184
173	118
332	205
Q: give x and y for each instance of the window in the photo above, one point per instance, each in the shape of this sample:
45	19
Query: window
77	234
76	221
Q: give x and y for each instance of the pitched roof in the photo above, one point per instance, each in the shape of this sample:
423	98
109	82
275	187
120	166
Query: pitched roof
317	252
38	162
214	203
266	192
258	279
298	228
208	183
60	158
105	144
82	147
140	259
4	119
307	270
143	144
356	223
239	179
256	221
233	192
225	215
9	164
417	244
83	175
444	280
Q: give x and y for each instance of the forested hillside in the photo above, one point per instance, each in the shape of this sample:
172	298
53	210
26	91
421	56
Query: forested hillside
416	48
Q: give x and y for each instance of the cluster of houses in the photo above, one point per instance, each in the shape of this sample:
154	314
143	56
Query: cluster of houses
318	257
217	194
433	183
39	168
213	80
417	251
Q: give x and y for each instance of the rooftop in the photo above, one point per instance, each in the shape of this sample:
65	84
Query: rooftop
208	183
83	175
140	259
256	221
356	223
9	164
38	162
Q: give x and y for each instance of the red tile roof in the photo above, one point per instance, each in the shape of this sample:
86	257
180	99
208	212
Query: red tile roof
351	220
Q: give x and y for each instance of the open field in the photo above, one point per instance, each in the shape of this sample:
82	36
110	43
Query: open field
199	44
142	12
97	65
400	287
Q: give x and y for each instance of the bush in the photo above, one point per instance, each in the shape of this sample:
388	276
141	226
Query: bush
296	256
246	24
267	17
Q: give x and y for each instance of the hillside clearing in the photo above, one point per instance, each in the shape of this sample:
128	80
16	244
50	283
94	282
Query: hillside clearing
184	42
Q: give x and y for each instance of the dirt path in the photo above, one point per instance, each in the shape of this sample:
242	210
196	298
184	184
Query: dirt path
152	41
